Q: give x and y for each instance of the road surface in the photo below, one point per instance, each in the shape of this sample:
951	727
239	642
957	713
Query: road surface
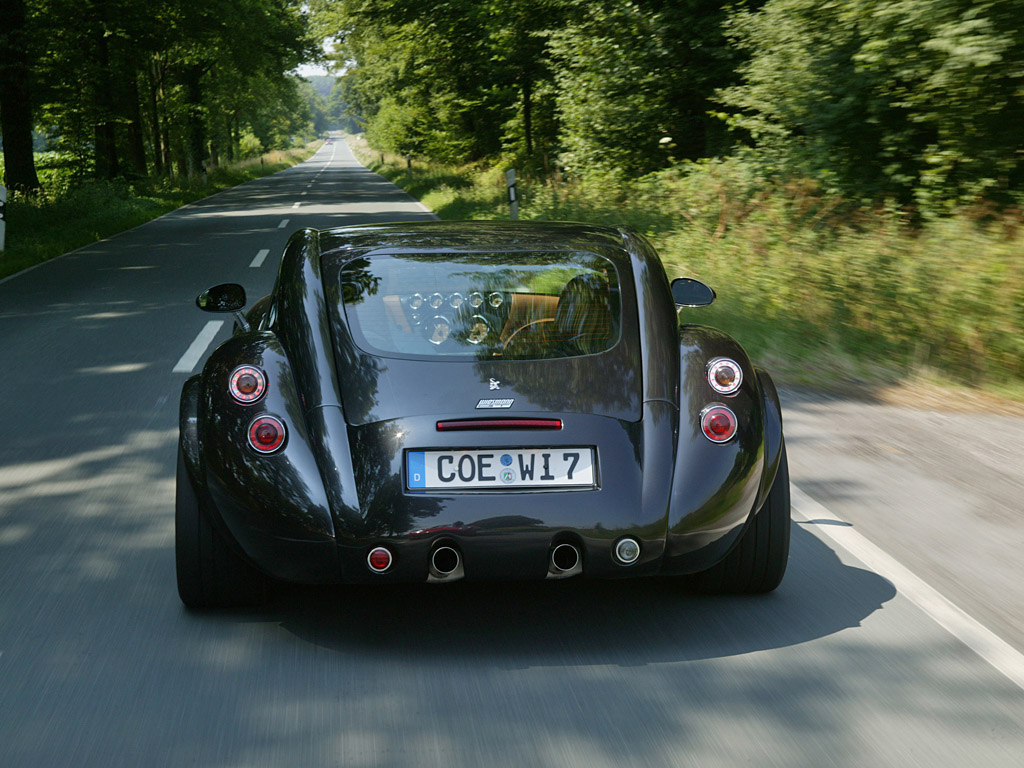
895	639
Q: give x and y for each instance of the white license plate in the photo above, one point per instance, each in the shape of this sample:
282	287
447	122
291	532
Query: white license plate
505	468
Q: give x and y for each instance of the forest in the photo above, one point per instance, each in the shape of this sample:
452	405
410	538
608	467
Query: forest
849	172
130	89
855	168
918	102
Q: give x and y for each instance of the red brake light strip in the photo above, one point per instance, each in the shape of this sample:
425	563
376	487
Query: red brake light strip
466	424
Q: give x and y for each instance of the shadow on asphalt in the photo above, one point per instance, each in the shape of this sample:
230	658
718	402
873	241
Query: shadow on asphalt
583	622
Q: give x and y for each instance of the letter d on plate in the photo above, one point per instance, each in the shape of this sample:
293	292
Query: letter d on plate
416	467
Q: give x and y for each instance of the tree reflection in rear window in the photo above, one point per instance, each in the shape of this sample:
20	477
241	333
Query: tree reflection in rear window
515	306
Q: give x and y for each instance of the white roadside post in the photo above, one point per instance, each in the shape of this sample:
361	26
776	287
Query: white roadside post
3	215
513	200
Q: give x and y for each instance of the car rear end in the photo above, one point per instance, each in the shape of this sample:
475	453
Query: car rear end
493	401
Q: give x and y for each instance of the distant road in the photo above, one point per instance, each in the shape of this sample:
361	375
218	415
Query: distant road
101	666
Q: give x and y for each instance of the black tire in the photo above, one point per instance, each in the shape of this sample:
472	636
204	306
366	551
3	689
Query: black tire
210	573
758	561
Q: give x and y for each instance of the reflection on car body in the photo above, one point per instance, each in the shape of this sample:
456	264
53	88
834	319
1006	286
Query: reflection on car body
444	401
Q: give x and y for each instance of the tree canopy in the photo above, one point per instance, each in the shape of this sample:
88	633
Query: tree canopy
130	88
917	101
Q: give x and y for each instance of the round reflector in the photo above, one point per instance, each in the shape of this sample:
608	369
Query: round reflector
627	551
718	423
725	376
266	434
379	559
247	384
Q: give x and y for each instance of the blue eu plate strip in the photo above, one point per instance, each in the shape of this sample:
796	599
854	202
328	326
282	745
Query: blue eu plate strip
416	466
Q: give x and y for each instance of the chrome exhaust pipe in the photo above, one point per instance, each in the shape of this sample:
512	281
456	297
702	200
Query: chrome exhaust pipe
445	564
564	558
565	561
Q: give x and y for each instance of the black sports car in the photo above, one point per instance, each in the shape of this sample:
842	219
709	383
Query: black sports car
478	400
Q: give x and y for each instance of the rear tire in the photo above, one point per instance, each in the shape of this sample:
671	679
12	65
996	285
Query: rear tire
758	561
210	573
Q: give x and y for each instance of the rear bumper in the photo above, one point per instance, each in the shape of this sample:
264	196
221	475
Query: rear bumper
501	556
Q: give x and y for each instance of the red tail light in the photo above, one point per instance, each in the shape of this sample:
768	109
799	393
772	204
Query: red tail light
718	423
379	559
266	434
247	384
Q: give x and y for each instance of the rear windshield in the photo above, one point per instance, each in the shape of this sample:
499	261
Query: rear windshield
517	306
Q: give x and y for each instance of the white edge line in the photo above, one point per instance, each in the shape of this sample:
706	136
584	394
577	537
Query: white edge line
283	224
258	261
989	646
197	348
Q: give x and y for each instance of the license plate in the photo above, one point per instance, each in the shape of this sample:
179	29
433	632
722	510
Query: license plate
504	468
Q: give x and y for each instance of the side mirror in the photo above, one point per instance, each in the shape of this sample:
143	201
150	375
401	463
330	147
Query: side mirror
688	292
226	297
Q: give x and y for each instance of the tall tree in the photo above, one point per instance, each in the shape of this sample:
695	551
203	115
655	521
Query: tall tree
16	97
917	101
635	83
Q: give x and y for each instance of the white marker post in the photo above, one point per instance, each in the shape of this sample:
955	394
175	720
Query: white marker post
513	199
3	215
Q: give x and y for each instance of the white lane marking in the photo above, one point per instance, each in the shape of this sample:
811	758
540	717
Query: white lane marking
296	205
283	224
258	261
303	193
198	347
983	641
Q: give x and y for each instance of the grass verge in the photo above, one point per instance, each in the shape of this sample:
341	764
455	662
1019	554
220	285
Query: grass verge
824	293
65	216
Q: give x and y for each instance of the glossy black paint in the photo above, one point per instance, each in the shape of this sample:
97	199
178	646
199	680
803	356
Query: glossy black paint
688	292
312	511
226	297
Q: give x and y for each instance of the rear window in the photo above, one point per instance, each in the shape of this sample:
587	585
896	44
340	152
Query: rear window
516	306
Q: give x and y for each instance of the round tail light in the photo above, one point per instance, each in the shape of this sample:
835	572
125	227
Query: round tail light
379	559
266	434
247	384
725	376
718	423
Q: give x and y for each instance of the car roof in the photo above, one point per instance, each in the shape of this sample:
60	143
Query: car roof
342	243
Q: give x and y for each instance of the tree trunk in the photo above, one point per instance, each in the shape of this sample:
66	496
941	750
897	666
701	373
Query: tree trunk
195	149
15	98
136	142
527	85
107	166
154	122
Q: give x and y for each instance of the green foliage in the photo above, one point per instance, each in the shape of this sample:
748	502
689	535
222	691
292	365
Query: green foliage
132	88
817	288
89	210
634	82
916	101
249	146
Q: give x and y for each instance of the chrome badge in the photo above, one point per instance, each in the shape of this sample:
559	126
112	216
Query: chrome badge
496	403
495	384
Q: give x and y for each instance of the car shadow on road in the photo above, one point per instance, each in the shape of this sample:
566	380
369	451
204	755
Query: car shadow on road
585	622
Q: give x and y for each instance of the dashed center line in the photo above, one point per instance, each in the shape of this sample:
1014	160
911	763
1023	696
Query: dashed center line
283	224
197	348
258	261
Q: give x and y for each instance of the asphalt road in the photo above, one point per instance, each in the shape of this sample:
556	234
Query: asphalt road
845	664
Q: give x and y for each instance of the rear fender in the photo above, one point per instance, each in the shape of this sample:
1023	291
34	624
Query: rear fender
273	503
715	486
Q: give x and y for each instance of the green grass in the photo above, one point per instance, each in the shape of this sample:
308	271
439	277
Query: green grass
70	213
822	291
